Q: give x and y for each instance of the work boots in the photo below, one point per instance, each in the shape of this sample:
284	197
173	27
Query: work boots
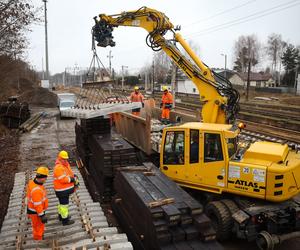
67	221
60	218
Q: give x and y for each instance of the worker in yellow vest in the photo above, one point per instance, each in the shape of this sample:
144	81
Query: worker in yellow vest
65	182
37	202
136	96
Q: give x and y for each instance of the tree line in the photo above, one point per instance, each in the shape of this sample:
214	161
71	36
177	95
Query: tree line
276	56
16	16
249	52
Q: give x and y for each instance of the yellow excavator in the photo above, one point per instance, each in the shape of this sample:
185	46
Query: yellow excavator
250	192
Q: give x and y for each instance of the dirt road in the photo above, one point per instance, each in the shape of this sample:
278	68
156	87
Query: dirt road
41	146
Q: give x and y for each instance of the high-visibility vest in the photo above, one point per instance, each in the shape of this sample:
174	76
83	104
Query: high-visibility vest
37	201
167	98
62	177
136	97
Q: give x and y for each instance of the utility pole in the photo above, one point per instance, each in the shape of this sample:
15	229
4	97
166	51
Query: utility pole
296	79
46	41
225	74
153	76
248	79
174	81
123	67
146	81
109	58
64	78
43	72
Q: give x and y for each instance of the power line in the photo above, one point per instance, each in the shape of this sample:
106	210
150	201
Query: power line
220	13
251	17
254	15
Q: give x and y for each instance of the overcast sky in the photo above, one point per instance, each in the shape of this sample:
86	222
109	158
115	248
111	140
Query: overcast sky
213	25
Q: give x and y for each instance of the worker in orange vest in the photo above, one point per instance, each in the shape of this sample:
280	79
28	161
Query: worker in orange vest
37	202
136	96
166	105
65	182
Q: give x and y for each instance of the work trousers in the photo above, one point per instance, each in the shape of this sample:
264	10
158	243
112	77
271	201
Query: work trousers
38	227
136	112
165	114
63	206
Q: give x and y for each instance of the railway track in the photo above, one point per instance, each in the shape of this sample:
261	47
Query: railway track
90	230
276	122
266	132
269	133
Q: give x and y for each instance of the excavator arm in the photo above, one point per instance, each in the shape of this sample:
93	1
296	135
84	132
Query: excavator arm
220	100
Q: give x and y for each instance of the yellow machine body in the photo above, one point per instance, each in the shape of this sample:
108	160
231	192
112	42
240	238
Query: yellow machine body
266	170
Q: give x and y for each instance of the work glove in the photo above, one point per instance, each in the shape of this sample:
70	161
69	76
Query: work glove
72	179
161	105
44	219
143	104
76	182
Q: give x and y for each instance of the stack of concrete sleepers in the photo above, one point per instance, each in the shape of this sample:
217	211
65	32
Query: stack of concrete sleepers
90	230
100	109
108	152
157	214
87	128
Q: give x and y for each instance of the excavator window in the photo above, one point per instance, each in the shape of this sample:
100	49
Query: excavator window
212	147
232	146
194	146
174	148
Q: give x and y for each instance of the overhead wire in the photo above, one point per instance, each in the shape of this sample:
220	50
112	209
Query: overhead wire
251	17
220	13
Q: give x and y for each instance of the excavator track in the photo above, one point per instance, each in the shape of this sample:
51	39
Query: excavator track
90	230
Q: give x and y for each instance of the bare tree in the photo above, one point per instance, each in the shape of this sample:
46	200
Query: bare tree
15	18
146	73
273	48
162	65
247	52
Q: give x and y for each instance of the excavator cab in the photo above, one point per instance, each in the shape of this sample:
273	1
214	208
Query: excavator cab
195	155
208	157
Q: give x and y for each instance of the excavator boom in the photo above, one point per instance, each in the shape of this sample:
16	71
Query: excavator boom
220	100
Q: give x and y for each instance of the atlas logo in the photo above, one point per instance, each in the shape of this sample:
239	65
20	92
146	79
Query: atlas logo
246	183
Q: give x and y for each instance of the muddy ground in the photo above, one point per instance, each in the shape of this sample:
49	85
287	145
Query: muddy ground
41	146
9	159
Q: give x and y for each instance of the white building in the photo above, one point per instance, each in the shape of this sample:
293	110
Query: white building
186	86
